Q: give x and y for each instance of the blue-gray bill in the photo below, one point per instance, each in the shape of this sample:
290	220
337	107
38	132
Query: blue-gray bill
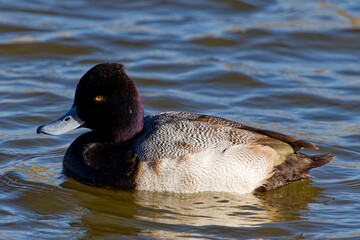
66	123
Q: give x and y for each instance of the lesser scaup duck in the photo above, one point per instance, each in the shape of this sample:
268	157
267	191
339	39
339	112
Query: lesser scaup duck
172	151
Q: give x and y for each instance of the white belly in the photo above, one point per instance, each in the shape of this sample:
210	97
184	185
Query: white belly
239	169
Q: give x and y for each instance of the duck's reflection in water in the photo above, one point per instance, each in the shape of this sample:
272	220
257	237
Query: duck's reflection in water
186	215
108	213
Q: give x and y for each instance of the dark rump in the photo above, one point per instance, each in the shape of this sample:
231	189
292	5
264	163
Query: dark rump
294	168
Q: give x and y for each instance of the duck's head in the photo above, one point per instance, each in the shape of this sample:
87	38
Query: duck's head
107	102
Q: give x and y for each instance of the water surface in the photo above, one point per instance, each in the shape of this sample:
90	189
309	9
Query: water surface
278	65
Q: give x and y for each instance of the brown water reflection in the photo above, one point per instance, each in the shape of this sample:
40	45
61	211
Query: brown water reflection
160	215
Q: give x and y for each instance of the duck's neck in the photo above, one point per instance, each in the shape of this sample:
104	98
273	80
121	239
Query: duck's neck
131	124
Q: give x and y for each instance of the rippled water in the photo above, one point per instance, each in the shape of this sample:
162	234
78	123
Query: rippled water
283	65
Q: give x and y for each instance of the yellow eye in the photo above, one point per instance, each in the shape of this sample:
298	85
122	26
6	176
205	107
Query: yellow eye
99	98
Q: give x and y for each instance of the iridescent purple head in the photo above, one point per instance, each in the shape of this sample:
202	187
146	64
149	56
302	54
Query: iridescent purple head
106	101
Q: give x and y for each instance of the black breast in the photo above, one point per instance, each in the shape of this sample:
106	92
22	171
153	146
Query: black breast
96	162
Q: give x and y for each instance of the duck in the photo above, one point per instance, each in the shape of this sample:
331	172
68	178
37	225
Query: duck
177	152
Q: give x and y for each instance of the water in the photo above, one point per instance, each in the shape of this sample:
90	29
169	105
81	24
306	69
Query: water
281	65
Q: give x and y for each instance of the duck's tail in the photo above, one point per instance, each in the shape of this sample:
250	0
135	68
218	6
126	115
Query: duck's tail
294	168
